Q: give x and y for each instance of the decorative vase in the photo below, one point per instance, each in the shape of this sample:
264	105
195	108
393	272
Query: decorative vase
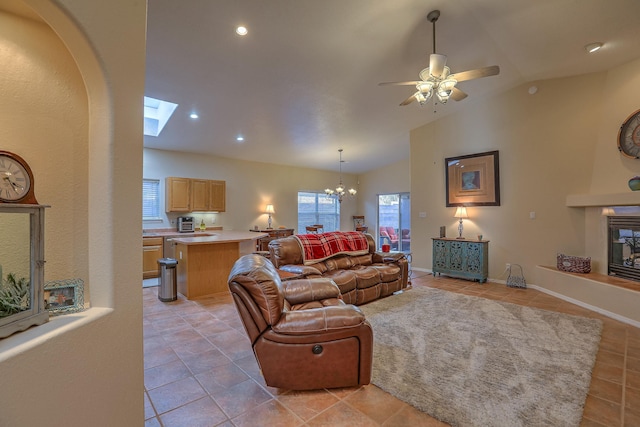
634	183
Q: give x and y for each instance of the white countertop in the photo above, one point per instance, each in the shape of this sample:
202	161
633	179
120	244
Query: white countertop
219	237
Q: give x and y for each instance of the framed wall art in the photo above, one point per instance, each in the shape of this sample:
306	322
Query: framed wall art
64	296
473	180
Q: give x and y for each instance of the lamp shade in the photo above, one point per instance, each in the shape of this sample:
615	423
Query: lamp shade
461	212
269	209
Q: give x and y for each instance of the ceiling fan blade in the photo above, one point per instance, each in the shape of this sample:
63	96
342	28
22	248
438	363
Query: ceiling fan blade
458	95
412	83
436	64
476	74
409	100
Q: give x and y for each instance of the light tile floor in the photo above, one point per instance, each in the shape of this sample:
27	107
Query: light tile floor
200	371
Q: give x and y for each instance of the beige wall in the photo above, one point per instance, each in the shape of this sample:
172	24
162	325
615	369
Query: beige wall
43	119
559	141
393	178
71	106
250	187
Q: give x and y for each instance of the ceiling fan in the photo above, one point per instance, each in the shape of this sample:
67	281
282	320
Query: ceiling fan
437	79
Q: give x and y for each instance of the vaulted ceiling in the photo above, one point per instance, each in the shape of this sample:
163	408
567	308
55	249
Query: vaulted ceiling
304	81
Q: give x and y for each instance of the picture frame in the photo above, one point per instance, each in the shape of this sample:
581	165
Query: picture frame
473	180
64	296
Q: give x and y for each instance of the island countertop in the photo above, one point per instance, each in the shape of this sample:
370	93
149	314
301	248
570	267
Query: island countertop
219	237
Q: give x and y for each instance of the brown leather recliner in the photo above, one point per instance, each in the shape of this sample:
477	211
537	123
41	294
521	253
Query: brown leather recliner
303	335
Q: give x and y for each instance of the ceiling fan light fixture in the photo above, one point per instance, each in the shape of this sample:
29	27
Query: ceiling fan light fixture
437	77
423	98
425	92
444	89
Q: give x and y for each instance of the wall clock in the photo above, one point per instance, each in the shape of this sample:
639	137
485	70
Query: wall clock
629	136
16	180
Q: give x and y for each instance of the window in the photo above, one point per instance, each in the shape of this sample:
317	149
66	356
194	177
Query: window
317	208
150	199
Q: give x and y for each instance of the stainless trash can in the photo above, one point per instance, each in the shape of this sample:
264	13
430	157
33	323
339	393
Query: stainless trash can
168	290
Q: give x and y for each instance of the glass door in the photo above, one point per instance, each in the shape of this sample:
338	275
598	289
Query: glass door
394	221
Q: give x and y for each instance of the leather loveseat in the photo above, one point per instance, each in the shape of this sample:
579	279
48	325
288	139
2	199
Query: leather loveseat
303	335
361	273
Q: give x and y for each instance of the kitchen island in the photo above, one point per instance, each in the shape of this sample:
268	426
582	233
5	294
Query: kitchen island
204	262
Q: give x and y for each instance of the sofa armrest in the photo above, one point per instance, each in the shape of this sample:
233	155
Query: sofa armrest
300	291
388	257
300	270
318	320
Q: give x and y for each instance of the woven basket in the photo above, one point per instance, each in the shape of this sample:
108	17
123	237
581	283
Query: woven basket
574	264
516	277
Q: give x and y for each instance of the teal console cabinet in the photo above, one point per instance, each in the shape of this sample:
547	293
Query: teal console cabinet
466	259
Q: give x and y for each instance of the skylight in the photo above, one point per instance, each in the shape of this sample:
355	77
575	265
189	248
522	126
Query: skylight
156	114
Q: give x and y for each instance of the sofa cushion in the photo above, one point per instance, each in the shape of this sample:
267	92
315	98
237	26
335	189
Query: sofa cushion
316	304
387	288
361	259
388	272
340	262
366	277
260	278
315	320
345	279
366	295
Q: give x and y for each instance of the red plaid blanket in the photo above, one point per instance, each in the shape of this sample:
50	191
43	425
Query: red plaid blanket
317	247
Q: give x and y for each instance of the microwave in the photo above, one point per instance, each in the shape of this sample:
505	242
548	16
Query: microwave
186	224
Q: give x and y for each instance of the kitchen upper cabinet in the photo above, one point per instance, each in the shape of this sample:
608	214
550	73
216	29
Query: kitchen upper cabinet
199	195
195	195
178	194
217	196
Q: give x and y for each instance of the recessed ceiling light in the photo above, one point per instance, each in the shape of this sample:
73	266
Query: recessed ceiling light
241	31
240	138
193	115
592	47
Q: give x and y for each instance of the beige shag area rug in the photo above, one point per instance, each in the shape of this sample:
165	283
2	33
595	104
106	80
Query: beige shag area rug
470	361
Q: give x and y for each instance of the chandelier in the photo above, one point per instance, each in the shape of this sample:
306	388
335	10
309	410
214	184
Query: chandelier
340	190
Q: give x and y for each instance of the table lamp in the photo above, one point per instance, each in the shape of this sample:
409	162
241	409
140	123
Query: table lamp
269	210
461	213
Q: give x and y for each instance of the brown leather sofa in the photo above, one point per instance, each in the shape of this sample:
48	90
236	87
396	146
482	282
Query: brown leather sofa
360	278
303	335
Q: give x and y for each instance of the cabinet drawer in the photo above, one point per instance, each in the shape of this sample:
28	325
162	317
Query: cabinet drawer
152	241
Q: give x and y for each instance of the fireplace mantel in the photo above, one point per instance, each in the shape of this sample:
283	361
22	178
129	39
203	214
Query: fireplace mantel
632	198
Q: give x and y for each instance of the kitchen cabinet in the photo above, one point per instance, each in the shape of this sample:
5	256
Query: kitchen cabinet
467	259
177	194
217	195
195	195
204	262
199	195
152	249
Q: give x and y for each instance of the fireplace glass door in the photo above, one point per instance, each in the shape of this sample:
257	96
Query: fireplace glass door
624	247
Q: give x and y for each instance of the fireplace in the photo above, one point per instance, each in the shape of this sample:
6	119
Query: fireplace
624	247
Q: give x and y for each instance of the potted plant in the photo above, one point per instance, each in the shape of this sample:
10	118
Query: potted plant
14	295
